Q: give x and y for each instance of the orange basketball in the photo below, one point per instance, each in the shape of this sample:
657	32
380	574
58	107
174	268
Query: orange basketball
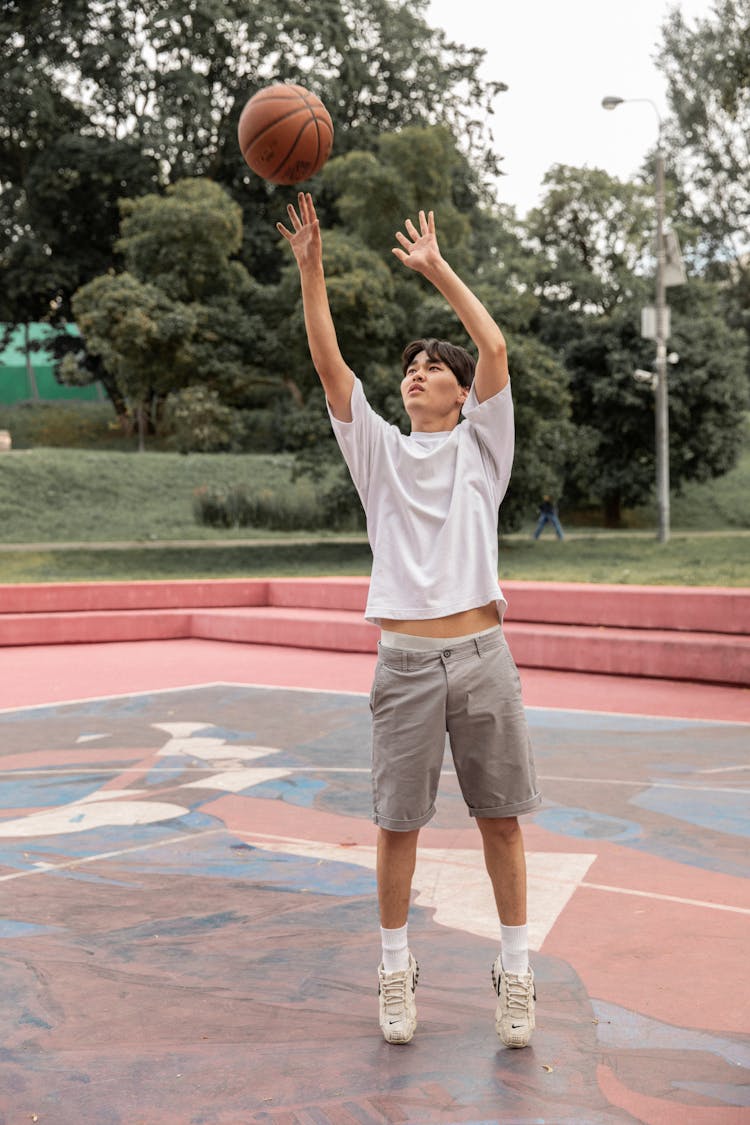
285	133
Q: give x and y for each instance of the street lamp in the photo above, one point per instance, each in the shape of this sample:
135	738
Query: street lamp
662	402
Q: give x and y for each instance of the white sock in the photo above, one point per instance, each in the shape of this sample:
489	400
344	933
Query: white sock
514	949
395	949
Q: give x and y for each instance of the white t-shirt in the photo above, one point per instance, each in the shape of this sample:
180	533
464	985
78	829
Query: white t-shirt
431	501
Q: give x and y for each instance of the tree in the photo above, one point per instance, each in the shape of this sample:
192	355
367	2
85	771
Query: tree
592	233
141	336
592	288
707	68
171	79
181	313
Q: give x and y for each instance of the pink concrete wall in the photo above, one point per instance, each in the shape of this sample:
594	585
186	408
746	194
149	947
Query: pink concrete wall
78	597
698	634
692	608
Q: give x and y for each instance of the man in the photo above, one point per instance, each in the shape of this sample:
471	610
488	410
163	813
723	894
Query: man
432	500
548	514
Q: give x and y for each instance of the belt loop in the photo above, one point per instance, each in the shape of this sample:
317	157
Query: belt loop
404	660
477	646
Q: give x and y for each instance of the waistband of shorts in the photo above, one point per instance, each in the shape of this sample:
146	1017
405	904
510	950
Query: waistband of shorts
427	644
406	659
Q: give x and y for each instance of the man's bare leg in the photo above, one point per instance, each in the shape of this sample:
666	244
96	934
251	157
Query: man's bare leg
505	860
513	979
397	855
398	973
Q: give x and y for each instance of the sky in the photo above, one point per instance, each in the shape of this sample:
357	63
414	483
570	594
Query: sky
559	58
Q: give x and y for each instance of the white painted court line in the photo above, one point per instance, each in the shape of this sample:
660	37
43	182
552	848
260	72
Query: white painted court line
642	784
88	768
116	695
666	898
725	769
340	853
49	868
343	691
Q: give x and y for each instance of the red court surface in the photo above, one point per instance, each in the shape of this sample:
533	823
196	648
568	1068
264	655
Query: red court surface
189	926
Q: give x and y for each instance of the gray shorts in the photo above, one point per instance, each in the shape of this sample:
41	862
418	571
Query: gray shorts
470	691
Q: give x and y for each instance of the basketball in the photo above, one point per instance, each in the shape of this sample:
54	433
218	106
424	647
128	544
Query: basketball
285	133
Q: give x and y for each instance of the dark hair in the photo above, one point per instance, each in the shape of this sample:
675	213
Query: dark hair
461	363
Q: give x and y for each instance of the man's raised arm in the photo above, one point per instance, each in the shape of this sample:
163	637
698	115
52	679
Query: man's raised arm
306	243
420	252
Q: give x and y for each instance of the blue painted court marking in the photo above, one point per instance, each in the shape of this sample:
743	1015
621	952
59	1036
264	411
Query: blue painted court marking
607	721
622	1028
597	770
9	928
728	813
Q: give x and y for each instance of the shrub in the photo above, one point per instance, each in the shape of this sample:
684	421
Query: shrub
199	422
62	425
298	507
293	509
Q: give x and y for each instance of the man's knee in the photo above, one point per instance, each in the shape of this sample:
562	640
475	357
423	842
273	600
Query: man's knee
390	838
503	828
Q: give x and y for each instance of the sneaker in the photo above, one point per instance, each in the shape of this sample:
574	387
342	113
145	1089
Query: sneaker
398	1009
516	996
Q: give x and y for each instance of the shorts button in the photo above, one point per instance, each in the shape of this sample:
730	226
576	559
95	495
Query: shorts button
447	652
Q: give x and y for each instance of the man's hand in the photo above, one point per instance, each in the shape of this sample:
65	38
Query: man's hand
304	238
420	251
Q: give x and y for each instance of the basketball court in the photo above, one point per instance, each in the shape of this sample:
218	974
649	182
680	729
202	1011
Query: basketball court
189	926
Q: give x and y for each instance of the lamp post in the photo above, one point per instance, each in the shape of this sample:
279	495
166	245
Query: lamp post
662	400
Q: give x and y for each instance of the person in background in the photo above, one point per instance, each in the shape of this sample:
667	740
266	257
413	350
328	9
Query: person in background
548	514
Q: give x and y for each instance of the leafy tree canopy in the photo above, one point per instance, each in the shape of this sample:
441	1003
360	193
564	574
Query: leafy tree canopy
593	233
707	67
590	314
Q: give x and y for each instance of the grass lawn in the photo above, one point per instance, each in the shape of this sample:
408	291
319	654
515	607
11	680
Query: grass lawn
698	560
50	495
73	495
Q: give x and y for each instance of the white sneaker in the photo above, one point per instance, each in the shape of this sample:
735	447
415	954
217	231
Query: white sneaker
398	1009
516	996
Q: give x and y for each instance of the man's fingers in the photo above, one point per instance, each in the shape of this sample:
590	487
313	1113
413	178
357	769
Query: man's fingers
282	230
403	240
295	221
310	209
431	222
423	223
411	229
401	255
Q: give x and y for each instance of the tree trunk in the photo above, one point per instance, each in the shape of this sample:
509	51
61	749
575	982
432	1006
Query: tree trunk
612	512
141	411
297	396
30	373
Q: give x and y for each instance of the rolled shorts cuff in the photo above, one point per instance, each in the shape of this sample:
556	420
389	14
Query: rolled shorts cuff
402	825
508	810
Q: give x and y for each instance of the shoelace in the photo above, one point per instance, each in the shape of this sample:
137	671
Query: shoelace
517	991
394	993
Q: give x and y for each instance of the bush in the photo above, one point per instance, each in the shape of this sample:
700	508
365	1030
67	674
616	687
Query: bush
300	507
198	422
62	425
293	509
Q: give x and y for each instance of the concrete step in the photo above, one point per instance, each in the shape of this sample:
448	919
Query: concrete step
82	597
709	609
335	630
94	627
689	609
675	655
670	654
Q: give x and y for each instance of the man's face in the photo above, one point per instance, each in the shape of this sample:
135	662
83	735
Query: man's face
431	393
